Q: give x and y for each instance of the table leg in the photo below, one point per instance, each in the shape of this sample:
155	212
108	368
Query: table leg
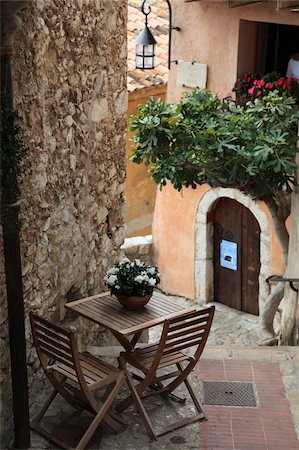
127	344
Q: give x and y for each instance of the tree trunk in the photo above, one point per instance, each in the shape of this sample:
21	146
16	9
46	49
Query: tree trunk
266	330
290	311
267	333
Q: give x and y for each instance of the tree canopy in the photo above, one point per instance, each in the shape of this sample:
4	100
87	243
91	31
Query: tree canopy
202	139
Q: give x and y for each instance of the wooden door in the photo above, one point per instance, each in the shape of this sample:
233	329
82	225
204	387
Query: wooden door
236	270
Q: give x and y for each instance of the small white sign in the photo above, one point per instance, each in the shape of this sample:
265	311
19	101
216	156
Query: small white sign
228	254
192	74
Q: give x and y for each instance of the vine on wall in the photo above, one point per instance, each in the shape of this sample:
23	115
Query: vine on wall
13	150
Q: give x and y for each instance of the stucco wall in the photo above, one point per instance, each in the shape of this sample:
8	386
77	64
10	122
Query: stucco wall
140	189
69	73
184	266
209	34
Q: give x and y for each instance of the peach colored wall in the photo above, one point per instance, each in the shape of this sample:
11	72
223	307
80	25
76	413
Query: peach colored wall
209	34
140	190
174	238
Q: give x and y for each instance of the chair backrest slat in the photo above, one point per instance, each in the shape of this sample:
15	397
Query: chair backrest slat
189	315
61	337
46	337
184	339
188	330
188	322
52	341
56	354
191	343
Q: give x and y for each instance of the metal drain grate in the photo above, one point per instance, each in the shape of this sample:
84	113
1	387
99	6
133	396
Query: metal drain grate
224	393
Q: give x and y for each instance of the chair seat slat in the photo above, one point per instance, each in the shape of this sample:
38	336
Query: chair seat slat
93	372
69	373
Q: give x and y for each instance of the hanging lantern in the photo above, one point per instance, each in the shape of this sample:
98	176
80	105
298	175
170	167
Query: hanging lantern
145	45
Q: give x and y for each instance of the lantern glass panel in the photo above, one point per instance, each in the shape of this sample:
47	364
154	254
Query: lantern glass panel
139	62
148	50
148	62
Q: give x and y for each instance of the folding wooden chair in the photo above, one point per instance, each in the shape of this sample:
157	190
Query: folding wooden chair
75	376
187	330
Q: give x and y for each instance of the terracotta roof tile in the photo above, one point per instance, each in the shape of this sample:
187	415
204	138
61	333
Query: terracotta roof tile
158	24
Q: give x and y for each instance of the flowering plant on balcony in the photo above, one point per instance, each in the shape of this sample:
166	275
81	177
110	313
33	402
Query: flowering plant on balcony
132	278
254	87
243	83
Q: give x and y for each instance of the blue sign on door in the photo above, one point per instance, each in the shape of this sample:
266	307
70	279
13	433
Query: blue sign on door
228	254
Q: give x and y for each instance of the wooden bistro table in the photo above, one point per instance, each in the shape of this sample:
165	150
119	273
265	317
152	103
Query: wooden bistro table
125	325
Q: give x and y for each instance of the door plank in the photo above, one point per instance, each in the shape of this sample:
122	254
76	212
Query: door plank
227	225
250	262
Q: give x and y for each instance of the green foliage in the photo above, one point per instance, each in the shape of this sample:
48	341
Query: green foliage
13	150
203	140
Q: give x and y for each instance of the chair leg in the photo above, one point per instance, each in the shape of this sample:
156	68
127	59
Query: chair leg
101	414
196	401
139	388
44	408
136	399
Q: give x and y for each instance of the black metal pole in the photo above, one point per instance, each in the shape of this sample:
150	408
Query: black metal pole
14	288
171	27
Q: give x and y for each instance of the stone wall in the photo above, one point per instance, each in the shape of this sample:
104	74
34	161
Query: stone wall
139	247
69	72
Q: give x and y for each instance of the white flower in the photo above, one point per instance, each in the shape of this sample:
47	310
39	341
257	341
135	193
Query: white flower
139	279
112	280
151	270
124	261
113	271
138	262
152	282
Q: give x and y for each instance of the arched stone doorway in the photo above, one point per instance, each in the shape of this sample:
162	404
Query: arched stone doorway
204	236
236	255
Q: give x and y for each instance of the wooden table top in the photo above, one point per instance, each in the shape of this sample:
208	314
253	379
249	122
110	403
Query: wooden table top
105	310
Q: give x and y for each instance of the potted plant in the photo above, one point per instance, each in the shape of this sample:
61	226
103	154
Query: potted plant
132	282
251	86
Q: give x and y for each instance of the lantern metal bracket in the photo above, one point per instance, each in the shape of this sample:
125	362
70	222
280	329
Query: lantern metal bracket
171	27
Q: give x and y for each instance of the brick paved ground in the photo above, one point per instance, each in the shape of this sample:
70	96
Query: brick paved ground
269	426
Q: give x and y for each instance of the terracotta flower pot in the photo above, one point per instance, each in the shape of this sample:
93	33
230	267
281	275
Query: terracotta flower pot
133	303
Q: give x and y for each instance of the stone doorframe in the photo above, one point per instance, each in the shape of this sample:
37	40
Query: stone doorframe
204	268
